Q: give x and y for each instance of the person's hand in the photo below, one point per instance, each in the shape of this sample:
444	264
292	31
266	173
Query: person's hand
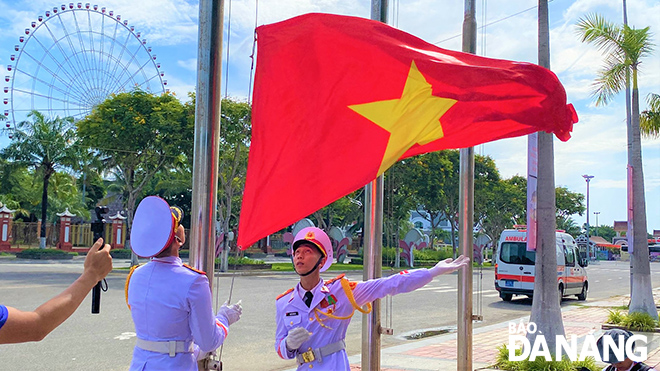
98	263
231	313
296	337
449	265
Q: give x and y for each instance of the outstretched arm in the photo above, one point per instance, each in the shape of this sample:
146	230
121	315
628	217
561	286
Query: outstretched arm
34	326
405	281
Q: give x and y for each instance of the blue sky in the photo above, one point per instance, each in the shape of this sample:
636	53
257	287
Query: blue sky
598	146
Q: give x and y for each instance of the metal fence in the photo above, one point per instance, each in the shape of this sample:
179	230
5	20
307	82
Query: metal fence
26	235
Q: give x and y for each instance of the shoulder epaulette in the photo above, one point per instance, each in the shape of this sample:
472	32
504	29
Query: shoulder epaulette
194	269
335	279
283	294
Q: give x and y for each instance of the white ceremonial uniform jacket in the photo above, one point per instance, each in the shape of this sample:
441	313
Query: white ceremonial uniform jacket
169	301
292	312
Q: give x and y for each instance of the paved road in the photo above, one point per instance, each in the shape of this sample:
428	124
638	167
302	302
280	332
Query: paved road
105	341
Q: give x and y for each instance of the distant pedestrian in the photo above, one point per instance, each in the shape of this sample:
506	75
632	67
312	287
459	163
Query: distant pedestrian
312	318
170	302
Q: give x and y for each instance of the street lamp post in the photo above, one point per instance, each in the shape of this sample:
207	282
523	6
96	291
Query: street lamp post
588	179
596	213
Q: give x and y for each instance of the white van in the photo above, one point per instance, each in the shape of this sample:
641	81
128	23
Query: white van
514	266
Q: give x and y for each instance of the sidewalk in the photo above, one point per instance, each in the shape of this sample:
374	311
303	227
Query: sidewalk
439	352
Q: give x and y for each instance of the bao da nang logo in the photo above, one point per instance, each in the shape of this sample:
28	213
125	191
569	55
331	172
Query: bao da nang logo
611	347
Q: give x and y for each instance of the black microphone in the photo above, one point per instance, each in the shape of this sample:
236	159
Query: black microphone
99	232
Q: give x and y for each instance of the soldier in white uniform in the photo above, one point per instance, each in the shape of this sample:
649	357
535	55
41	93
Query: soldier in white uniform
312	318
170	302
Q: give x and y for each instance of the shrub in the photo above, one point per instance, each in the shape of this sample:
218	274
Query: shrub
502	359
120	253
502	362
45	254
420	256
240	261
636	321
615	317
357	261
639	321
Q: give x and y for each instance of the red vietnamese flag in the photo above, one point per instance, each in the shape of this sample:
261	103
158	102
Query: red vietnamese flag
338	100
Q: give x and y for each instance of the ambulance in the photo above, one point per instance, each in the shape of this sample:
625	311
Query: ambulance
515	269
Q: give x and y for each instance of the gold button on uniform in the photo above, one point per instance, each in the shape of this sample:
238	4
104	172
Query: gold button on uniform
311	366
311	319
292	322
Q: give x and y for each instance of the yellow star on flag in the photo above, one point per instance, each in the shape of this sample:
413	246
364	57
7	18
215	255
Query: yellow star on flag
412	119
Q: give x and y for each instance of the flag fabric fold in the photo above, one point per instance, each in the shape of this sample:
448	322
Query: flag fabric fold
338	100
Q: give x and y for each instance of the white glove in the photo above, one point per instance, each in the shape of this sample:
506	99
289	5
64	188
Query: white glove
449	265
231	313
296	337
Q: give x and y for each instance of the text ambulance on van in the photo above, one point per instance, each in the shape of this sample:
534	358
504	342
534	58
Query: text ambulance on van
514	266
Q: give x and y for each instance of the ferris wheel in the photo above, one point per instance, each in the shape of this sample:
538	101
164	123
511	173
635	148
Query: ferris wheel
73	58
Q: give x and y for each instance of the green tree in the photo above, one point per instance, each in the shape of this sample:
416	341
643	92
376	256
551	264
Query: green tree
92	188
486	181
136	134
568	203
90	182
503	206
625	47
434	181
569	225
174	185
339	213
45	145
606	231
64	194
11	177
235	129
649	121
397	203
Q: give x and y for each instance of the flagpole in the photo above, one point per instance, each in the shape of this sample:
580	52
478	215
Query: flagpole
207	135
373	239
207	139
466	216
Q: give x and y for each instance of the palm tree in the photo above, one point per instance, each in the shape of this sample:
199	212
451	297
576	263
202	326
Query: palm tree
649	121
625	47
44	144
546	303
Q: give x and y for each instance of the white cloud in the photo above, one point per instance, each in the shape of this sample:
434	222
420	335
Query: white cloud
188	64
